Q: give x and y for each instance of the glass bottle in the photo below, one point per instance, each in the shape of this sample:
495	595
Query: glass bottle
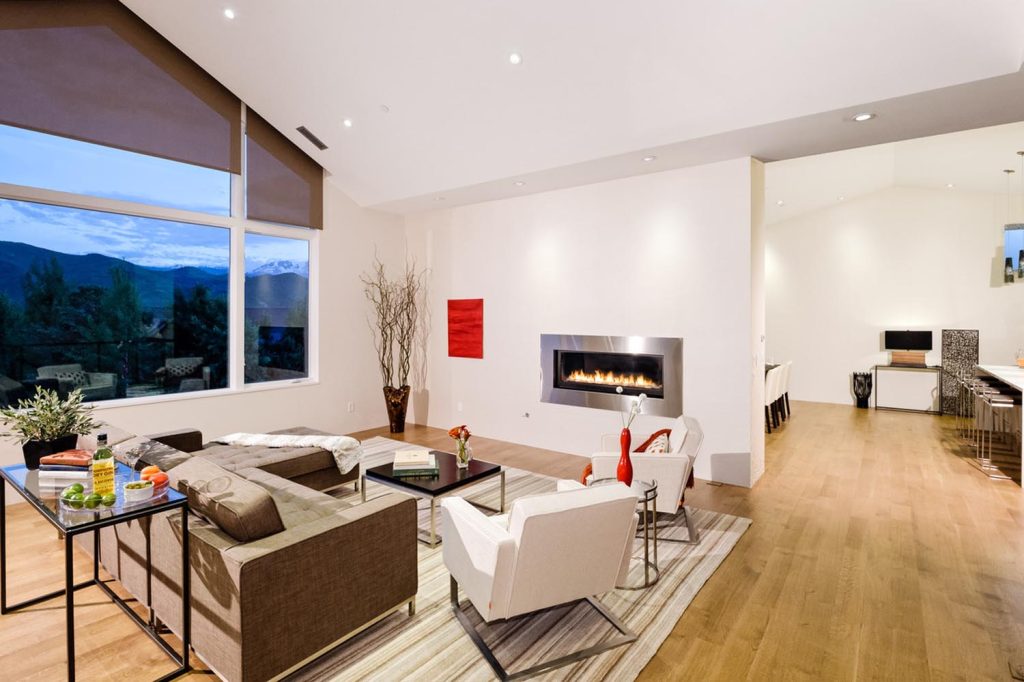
1008	271
103	468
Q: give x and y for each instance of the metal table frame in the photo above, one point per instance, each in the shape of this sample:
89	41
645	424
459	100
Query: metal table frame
70	586
430	538
648	530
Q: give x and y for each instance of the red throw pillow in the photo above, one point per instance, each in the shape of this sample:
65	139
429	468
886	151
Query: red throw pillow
587	471
654	436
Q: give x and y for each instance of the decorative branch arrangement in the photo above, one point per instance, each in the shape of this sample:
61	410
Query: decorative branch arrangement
395	313
394	325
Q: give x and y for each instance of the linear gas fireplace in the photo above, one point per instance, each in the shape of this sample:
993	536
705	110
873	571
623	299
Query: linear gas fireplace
604	372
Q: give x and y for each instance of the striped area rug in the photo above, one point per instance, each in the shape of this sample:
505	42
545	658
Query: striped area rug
433	646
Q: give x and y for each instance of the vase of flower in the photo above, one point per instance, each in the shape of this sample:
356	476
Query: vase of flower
624	470
463	453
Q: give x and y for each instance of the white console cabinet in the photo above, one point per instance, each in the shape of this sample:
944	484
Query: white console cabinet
912	389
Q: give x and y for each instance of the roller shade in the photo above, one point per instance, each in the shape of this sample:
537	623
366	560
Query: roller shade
283	184
93	71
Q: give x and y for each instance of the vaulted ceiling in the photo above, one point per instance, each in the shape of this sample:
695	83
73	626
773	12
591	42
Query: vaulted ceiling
439	113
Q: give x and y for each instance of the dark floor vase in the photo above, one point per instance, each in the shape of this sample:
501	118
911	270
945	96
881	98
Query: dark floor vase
397	401
862	388
34	450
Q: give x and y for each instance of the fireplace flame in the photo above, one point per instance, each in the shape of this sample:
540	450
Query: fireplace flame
612	379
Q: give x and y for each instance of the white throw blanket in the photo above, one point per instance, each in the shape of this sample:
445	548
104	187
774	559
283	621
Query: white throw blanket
346	450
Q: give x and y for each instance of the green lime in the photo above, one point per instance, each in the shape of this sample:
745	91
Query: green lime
109	500
76	500
76	488
66	493
92	501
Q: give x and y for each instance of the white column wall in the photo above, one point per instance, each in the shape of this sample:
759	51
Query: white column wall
665	254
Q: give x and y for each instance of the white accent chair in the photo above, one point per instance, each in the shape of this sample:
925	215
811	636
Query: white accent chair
671	470
548	550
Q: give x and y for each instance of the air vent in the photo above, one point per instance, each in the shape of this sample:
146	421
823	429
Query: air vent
312	138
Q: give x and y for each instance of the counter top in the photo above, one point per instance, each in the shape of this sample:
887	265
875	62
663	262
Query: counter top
1011	374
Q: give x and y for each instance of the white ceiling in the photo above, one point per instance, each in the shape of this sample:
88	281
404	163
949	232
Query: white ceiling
970	161
602	81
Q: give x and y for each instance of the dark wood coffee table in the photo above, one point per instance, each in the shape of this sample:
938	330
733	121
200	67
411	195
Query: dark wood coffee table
450	479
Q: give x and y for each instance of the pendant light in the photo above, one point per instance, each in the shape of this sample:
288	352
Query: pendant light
1020	255
1008	265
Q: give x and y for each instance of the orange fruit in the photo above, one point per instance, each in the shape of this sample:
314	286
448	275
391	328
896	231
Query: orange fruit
147	471
158	479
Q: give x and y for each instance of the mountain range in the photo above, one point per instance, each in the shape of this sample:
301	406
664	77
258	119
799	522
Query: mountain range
275	287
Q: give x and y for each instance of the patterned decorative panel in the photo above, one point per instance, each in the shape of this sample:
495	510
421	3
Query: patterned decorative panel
959	353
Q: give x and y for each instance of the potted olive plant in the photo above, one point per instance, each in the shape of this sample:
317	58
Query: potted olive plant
45	424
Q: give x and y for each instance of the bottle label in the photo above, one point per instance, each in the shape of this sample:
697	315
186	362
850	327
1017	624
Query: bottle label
103	476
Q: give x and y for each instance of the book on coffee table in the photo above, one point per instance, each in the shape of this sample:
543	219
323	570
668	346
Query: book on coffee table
429	468
412	457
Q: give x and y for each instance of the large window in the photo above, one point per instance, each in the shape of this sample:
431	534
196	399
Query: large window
276	308
128	207
118	306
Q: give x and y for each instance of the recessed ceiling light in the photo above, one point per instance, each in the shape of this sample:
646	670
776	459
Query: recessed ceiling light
649	158
780	202
229	13
438	198
347	123
842	198
950	185
384	109
515	59
863	116
518	183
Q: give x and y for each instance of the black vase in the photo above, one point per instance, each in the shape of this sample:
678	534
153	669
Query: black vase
34	450
862	388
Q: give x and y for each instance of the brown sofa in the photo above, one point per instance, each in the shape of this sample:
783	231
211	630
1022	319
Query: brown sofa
264	607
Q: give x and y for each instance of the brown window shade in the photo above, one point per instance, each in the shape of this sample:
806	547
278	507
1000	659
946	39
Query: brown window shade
283	184
93	71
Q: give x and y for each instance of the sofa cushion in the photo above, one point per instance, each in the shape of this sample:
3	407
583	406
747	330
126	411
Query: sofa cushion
241	508
296	503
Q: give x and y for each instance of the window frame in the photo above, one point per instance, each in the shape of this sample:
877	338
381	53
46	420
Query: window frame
237	224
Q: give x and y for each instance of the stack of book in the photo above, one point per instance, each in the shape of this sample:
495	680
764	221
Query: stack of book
57	472
414	463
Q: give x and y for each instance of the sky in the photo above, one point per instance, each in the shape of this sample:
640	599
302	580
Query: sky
39	160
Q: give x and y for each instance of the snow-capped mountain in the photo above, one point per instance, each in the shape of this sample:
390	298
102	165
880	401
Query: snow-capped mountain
280	267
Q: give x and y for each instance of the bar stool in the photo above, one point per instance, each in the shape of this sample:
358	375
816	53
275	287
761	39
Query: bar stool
994	411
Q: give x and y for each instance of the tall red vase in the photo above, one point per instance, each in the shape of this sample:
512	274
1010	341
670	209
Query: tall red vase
624	472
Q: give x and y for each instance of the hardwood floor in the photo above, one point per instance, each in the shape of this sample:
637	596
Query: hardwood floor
875	554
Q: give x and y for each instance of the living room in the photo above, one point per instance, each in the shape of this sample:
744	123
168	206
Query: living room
200	202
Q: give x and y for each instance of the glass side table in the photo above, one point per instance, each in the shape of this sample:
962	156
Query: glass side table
646	493
72	522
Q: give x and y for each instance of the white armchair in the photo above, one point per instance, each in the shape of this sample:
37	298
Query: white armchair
549	550
670	469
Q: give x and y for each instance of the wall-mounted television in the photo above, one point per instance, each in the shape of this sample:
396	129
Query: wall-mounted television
908	340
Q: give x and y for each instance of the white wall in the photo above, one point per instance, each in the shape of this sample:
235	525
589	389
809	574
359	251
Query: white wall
900	258
348	372
667	254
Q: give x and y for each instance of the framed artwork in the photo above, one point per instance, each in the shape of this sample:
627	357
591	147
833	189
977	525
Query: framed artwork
466	328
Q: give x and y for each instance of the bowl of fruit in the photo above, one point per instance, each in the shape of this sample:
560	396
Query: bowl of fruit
152	483
75	497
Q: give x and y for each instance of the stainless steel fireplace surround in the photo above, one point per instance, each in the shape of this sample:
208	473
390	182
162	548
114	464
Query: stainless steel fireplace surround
585	371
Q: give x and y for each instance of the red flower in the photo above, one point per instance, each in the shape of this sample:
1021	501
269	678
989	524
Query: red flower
459	432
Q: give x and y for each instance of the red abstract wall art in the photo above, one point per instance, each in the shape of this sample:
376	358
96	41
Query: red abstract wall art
466	328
